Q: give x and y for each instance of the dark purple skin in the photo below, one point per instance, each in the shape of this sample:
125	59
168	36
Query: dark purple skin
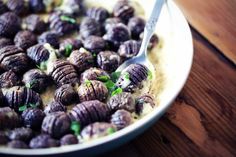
153	41
2	99
38	53
60	26
123	10
9	119
143	100
92	90
63	72
56	124
5	42
36	6
43	141
13	58
81	59
76	7
90	27
137	74
17	6
94	44
88	112
123	100
3	7
49	37
69	139
3	138
17	144
93	74
10	24
32	118
63	48
36	80
108	60
129	49
121	119
22	134
35	24
98	13
17	96
110	22
66	95
116	35
136	26
9	79
97	129
54	106
25	39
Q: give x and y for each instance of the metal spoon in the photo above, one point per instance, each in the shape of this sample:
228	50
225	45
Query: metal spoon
148	32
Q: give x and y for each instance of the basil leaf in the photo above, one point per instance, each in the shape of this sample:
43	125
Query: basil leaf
68	50
149	75
117	91
67	19
103	78
88	83
75	127
115	76
22	108
110	130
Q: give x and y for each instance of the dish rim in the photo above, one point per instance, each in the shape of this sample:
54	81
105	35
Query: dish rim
152	116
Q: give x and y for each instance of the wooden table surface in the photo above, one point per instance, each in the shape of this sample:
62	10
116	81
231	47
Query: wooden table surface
202	120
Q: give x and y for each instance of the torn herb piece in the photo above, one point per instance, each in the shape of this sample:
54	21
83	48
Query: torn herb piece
31	84
22	108
110	85
68	50
110	130
149	75
117	91
42	66
75	127
126	75
88	83
67	19
94	55
115	76
103	78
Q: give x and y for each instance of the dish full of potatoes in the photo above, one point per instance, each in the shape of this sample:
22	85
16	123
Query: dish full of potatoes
58	79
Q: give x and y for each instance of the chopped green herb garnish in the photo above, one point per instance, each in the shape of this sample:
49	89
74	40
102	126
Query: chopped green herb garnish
88	83
103	78
94	55
126	75
33	105
67	19
68	50
110	130
117	91
115	76
42	66
149	75
110	85
31	83
22	108
75	127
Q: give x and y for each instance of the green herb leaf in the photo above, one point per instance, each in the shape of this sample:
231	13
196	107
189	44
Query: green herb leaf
88	83
75	127
110	130
33	105
67	19
68	50
22	108
110	85
42	66
115	76
31	84
94	55
149	75
103	78
126	75
117	91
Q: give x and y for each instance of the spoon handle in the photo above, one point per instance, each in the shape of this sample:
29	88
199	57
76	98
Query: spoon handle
150	26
